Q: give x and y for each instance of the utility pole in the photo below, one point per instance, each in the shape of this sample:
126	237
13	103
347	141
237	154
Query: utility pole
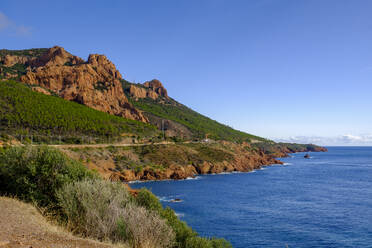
162	129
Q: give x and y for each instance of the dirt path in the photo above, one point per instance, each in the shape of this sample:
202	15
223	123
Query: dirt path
22	226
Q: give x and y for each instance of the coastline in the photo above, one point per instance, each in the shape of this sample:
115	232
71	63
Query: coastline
242	163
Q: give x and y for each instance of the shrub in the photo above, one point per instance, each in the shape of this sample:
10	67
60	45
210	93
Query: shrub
36	173
105	210
143	228
220	243
148	200
199	242
181	229
93	207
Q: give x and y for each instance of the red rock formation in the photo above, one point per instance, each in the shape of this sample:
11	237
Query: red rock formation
151	89
156	86
95	83
10	60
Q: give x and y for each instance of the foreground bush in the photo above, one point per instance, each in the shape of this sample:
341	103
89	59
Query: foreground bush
143	228
36	173
199	242
93	207
103	210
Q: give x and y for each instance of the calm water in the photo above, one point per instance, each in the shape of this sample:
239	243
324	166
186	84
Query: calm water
325	201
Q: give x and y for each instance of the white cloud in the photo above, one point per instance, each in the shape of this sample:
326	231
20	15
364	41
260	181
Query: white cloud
7	25
4	21
346	140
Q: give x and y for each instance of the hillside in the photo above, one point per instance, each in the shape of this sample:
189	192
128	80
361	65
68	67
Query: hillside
25	113
164	112
168	109
97	83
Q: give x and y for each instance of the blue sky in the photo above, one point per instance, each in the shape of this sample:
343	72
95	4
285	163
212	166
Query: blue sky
296	70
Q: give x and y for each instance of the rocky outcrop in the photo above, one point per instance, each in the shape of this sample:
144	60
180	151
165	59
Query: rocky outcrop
10	60
138	92
242	161
94	83
55	56
151	89
40	90
156	86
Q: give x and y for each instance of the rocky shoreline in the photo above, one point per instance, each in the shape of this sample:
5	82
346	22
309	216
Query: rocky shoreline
242	162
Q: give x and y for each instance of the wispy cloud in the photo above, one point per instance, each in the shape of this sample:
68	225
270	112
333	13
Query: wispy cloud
346	139
7	25
4	22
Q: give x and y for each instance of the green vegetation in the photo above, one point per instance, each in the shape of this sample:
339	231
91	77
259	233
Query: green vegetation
34	52
17	70
91	206
112	215
198	124
36	174
24	112
273	148
156	157
182	154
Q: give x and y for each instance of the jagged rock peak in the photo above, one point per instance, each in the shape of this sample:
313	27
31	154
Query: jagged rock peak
157	86
101	61
56	56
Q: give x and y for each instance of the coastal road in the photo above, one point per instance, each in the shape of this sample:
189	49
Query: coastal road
107	145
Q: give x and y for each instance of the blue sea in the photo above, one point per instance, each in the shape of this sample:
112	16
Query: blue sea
324	201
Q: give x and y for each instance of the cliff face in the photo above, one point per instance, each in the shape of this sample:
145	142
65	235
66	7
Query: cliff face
95	82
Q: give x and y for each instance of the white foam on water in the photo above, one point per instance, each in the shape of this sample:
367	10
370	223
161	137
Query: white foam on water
136	181
193	178
163	199
287	164
225	173
179	215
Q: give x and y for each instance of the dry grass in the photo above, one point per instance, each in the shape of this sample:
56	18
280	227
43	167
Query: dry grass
104	210
22	225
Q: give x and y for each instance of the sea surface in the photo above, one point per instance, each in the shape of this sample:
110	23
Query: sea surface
324	201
